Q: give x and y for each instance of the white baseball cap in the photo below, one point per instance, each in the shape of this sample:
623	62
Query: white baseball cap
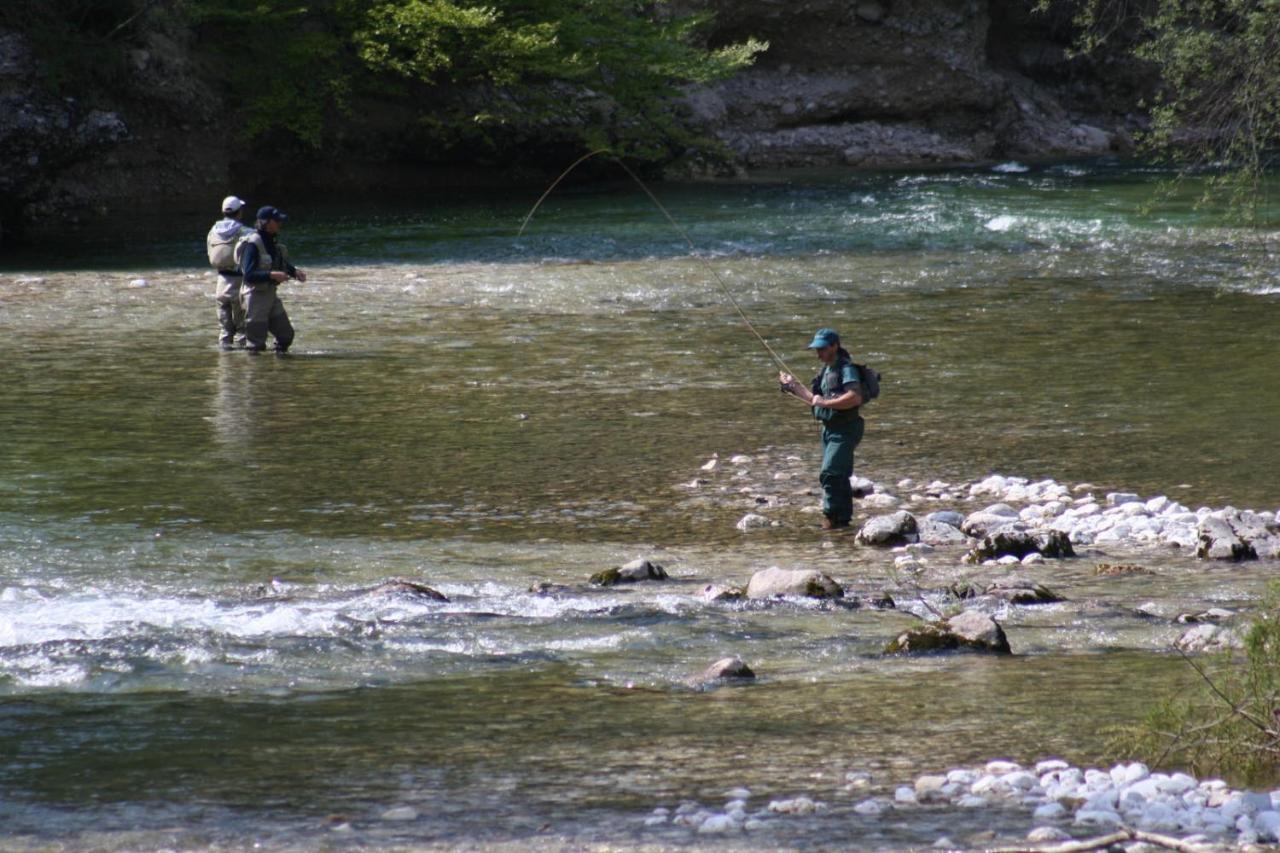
232	203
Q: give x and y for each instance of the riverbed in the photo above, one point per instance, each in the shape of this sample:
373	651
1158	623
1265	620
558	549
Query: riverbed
192	647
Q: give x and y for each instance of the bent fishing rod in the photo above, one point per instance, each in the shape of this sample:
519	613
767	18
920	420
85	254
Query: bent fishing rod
693	251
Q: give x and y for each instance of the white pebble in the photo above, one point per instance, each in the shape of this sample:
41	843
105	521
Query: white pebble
1051	765
139	282
400	813
655	820
737	794
711	465
971	801
1033	559
739	459
717	825
799	805
904	795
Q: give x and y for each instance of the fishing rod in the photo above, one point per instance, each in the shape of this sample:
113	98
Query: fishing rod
777	359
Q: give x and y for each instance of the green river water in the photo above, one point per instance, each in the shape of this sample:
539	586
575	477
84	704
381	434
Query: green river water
189	651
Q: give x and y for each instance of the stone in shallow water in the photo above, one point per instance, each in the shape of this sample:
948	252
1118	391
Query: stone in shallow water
728	668
753	521
716	592
969	631
1023	592
802	583
897	528
1218	541
934	532
633	572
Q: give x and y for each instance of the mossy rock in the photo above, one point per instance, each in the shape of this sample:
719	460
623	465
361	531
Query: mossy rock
636	570
969	631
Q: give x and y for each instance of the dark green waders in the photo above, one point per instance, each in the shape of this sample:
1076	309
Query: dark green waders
838	443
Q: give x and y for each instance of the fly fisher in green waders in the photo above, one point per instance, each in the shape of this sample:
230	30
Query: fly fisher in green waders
834	395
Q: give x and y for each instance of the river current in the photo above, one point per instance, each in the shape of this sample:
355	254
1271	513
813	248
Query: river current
193	648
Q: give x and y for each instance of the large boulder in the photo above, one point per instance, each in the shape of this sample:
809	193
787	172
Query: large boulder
1218	541
1012	542
798	583
970	631
898	528
633	572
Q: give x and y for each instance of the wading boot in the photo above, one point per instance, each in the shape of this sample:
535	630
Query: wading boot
829	523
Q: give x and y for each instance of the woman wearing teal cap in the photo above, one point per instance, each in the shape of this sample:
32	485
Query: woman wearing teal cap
835	395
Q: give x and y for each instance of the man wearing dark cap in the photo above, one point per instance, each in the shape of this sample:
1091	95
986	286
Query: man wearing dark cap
834	395
264	265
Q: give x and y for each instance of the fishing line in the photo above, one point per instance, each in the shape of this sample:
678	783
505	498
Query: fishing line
681	231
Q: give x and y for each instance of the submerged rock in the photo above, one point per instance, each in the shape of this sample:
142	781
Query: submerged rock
1023	592
728	668
633	572
409	589
968	631
799	583
548	588
886	531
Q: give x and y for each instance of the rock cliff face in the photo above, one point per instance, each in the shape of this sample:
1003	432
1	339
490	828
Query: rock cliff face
862	83
909	82
155	140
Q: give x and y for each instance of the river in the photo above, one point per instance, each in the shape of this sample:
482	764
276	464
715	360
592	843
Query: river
190	650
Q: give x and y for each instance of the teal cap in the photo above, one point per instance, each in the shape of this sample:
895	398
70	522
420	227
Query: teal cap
824	338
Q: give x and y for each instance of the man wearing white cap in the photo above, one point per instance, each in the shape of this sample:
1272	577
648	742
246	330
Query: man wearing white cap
221	243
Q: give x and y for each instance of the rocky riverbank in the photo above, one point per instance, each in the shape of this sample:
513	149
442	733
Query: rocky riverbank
1127	805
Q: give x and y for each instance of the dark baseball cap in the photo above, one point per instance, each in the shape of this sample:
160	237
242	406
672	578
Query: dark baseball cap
266	214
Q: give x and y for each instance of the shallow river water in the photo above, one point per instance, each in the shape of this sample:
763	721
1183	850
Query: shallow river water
191	647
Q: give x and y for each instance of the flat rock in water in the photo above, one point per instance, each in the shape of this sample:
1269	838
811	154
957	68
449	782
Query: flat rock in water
1023	592
969	631
728	668
409	589
885	531
633	572
799	583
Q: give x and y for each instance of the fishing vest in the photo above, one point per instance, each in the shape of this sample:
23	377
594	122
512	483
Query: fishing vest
833	381
273	263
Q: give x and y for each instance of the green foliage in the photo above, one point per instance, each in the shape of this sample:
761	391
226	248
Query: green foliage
1219	61
289	67
1230	723
491	75
605	68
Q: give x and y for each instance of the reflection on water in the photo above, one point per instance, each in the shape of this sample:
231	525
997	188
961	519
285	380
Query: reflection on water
188	538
